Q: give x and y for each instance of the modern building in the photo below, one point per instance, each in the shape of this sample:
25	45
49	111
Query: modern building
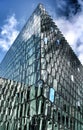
41	84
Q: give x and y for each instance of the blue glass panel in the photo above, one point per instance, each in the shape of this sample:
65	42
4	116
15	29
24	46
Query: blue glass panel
45	40
57	42
51	95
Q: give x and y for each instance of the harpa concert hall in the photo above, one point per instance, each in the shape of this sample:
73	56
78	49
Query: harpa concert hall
41	79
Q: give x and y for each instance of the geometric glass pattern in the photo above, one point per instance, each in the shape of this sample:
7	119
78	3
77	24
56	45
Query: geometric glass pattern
42	84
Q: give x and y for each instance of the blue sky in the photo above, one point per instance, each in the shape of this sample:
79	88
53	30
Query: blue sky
67	14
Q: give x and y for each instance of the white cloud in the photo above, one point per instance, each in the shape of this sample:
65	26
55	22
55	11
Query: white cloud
8	32
72	29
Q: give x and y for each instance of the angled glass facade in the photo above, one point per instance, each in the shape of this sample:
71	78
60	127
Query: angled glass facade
45	90
22	61
61	70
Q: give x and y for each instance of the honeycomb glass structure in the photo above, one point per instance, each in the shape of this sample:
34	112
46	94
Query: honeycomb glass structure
42	84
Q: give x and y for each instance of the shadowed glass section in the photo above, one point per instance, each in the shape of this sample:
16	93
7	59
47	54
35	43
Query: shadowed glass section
61	69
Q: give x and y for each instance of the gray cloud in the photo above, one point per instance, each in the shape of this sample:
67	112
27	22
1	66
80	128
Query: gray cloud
72	27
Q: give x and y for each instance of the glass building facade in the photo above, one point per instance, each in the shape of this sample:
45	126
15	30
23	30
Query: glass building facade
45	90
22	61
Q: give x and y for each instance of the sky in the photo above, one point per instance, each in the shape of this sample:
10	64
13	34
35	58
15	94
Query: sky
67	14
